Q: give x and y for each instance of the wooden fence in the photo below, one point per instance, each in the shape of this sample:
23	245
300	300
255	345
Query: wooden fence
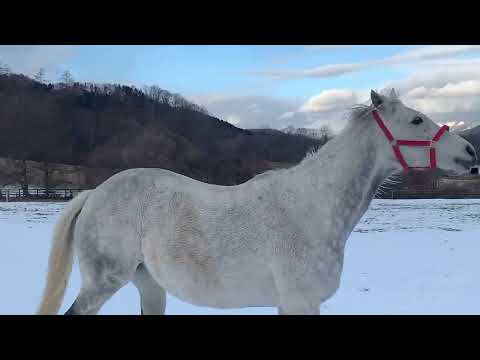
38	194
429	194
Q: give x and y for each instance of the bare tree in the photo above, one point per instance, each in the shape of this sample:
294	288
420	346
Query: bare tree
66	78
47	171
24	178
162	96
325	133
40	75
4	69
203	110
154	92
165	97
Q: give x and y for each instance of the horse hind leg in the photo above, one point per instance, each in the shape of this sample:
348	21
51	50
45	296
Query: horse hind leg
101	279
153	297
90	300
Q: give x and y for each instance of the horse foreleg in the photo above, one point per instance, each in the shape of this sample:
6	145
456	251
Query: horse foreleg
295	309
153	297
293	301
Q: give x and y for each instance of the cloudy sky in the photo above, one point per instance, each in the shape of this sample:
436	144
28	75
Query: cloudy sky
277	86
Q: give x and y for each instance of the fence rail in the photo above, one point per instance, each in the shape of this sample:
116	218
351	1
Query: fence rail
38	194
68	194
430	194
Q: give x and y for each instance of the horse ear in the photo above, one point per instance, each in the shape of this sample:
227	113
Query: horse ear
377	99
393	94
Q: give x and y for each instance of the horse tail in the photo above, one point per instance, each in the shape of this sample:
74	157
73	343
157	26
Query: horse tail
61	257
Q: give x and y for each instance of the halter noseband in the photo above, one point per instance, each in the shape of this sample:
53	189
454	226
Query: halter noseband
422	143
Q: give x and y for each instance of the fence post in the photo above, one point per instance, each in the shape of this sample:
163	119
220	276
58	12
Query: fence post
8	194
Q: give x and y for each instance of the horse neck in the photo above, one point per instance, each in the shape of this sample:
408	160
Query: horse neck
348	171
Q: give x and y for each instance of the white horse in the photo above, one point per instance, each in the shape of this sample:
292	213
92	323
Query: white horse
276	240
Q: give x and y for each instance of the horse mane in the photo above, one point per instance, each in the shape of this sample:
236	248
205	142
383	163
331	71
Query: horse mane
354	114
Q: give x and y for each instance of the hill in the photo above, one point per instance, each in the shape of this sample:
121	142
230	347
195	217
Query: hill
112	126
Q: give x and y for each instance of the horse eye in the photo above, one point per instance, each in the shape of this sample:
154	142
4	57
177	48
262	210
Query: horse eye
418	120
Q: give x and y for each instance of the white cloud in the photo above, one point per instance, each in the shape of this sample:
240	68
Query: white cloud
329	100
450	90
430	52
435	76
319	72
421	54
430	106
287	115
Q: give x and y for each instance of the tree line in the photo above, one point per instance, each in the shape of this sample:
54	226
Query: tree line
153	92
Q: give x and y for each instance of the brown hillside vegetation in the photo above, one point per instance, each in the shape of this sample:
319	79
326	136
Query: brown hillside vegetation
120	127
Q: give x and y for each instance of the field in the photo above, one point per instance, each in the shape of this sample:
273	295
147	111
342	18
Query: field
404	257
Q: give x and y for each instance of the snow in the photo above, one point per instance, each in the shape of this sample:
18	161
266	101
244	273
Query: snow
404	257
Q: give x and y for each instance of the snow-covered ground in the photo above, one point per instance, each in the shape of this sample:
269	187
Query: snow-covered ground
404	257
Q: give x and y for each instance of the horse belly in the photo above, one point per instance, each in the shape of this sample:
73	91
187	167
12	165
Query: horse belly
243	284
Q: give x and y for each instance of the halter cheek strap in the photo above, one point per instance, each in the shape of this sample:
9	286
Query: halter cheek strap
422	143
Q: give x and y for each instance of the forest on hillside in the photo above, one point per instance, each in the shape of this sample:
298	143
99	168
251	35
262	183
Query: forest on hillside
119	126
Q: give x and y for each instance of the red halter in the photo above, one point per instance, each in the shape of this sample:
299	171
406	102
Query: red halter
424	143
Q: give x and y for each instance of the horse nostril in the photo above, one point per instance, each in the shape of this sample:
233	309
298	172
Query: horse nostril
470	151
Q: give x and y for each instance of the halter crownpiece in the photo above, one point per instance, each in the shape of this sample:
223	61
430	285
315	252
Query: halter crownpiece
417	143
